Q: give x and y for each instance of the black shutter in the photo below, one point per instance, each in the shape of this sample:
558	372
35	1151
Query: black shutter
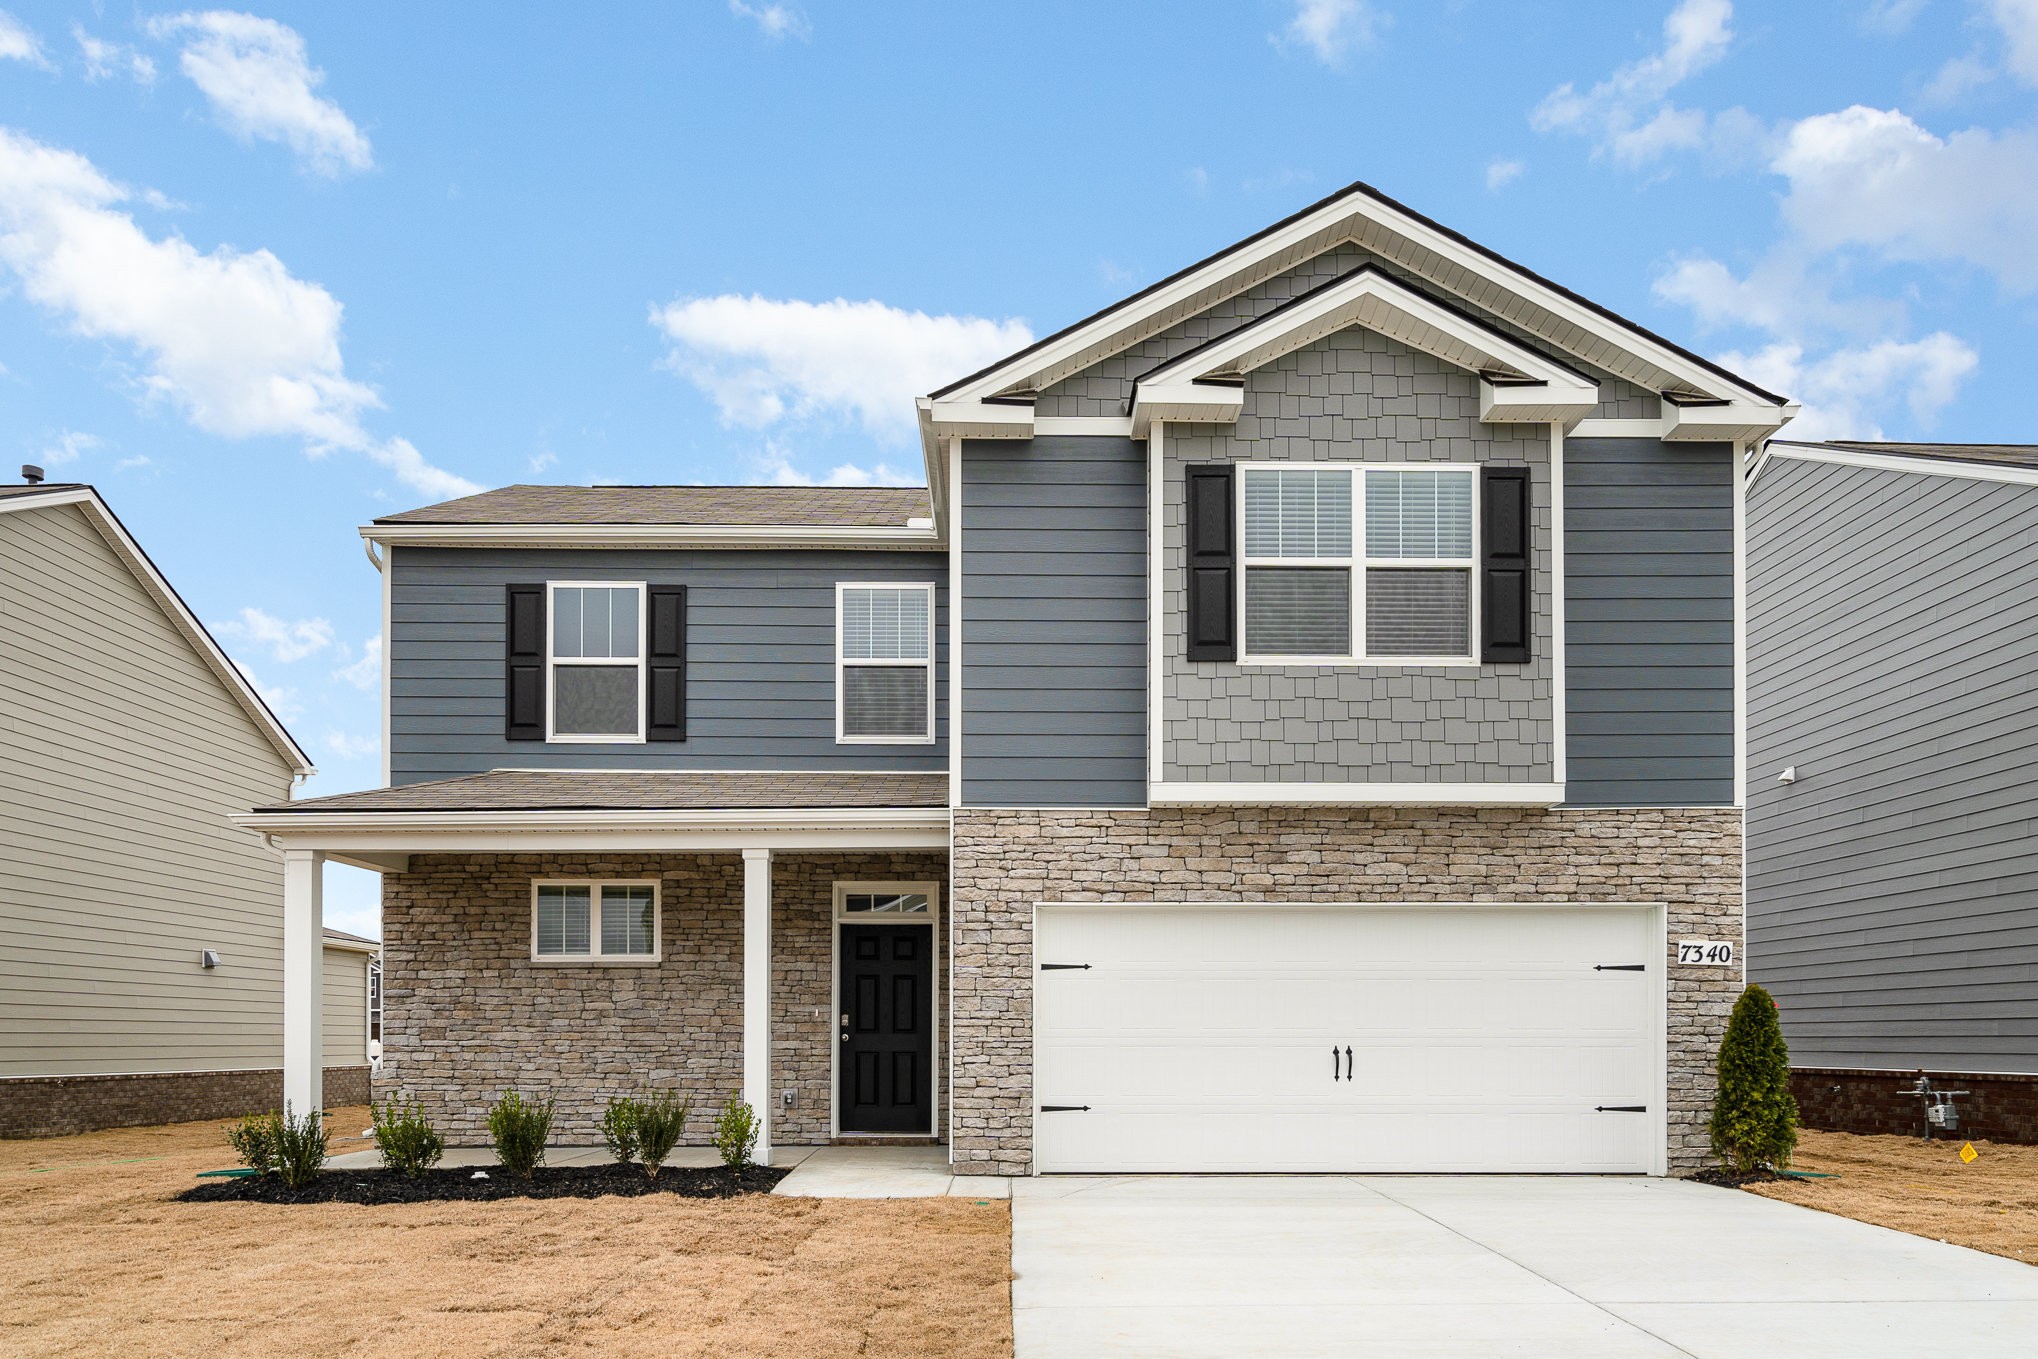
1504	586
524	681
1213	564
665	665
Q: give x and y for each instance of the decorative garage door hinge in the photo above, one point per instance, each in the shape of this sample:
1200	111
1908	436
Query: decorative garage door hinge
1064	1108
1620	1108
1620	967
1064	967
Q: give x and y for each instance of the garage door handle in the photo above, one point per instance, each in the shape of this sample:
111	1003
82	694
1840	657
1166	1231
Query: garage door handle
1620	967
1333	1062
1620	1108
1348	1063
1064	1108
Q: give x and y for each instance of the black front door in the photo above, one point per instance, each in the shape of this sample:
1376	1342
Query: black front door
884	1077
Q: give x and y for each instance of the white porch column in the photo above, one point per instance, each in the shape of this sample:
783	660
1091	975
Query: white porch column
757	994
303	980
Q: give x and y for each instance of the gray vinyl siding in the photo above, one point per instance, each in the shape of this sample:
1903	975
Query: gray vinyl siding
121	756
343	1019
1649	623
1359	397
1054	623
760	690
1893	659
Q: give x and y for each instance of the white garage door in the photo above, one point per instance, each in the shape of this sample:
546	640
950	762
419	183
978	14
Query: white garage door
1346	1038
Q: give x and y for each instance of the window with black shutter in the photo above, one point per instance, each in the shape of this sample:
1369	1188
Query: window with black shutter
665	665
1213	564
524	682
1504	565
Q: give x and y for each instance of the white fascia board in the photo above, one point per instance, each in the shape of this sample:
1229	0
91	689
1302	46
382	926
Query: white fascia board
367	946
978	419
1333	222
651	535
1737	422
337	833
1188	403
1356	794
1898	462
109	527
1541	404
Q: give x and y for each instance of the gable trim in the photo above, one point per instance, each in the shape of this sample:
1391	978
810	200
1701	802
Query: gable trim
1326	216
1938	466
137	562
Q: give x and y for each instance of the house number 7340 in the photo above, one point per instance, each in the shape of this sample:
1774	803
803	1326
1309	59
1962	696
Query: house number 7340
1705	952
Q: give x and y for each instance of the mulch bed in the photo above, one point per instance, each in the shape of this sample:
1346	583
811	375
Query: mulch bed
1733	1179
440	1186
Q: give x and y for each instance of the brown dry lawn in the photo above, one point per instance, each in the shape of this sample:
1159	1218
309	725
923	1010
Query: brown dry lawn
1923	1188
95	1258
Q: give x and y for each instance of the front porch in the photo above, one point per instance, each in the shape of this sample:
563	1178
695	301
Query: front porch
580	935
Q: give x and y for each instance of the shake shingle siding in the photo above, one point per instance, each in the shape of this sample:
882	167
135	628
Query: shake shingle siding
1893	660
1649	623
1054	622
760	690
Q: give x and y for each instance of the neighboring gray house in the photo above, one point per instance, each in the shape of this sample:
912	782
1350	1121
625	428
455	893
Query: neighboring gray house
1293	731
1893	748
126	739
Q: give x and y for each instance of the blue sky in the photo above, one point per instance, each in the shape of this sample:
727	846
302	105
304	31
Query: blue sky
265	275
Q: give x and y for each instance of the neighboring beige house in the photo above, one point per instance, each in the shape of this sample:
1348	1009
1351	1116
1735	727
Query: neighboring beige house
141	933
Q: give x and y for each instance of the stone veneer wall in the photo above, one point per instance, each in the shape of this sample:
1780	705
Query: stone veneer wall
58	1106
1006	861
467	1013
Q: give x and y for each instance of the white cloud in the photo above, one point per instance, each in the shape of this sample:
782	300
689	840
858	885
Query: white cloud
1873	177
17	43
232	339
1890	17
776	468
2018	20
365	673
285	641
775	21
541	462
764	361
67	447
1848	392
130	464
1628	114
1501	173
1330	29
261	84
103	59
1957	78
1783	295
1199	180
349	747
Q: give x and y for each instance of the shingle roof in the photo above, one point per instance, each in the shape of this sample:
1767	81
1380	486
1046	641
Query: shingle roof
2015	455
334	936
564	790
40	487
752	506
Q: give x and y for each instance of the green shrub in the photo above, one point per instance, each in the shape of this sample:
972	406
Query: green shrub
661	1118
519	1128
619	1128
736	1133
1754	1118
406	1138
300	1147
254	1141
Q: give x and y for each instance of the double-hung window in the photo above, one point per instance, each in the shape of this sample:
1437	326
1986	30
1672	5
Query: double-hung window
884	671
596	922
1350	563
595	664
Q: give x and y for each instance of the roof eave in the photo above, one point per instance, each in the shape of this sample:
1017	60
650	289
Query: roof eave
653	535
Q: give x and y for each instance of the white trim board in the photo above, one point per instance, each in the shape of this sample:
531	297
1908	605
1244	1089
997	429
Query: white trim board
1932	465
108	525
1355	794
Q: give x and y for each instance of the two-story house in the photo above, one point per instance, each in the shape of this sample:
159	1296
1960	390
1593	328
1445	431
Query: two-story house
1293	731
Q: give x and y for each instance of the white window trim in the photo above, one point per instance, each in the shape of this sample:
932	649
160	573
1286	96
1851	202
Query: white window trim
932	919
372	1028
842	738
1358	563
597	958
552	663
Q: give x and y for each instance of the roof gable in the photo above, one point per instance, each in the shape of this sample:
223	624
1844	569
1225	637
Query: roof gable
129	553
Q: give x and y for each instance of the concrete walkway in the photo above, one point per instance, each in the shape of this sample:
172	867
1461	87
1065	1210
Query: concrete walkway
886	1173
1484	1266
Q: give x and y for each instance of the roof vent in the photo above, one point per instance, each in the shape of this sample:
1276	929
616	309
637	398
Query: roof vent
31	474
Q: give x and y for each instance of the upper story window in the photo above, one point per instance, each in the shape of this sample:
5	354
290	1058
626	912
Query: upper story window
884	673
1347	563
595	664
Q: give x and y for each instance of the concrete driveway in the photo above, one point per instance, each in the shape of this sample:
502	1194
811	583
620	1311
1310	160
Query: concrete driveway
1430	1266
